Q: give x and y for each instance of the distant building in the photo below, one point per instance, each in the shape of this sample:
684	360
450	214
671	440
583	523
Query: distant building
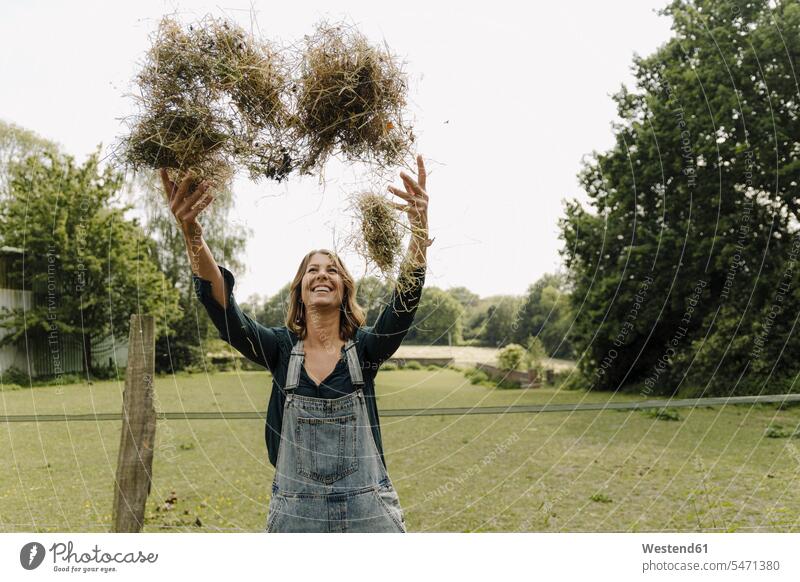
11	298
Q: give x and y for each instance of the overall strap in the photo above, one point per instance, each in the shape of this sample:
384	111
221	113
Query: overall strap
295	363
353	364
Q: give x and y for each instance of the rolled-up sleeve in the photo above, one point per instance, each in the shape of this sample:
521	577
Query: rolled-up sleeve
253	340
392	325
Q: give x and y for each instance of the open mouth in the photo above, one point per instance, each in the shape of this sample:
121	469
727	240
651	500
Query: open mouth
321	289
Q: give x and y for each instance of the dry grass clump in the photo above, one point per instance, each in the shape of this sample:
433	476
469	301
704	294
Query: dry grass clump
378	238
211	99
350	98
381	230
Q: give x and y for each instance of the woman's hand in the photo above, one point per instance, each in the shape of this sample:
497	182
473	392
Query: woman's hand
417	209
417	200
186	203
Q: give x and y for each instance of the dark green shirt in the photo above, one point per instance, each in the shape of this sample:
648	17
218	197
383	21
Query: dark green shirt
271	347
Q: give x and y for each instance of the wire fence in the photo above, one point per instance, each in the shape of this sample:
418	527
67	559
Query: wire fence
449	411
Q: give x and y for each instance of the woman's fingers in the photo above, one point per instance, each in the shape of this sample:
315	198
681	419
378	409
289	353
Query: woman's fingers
169	185
414	193
404	195
185	203
401	207
411	185
183	188
191	199
407	183
198	208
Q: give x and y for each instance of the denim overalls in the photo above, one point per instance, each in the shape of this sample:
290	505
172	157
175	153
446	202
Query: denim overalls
329	476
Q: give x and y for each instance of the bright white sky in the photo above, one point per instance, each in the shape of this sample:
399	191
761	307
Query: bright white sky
507	98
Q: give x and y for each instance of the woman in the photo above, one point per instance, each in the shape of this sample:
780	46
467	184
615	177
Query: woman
322	430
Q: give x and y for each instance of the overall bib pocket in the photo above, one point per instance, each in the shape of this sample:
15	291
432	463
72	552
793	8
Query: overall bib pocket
326	447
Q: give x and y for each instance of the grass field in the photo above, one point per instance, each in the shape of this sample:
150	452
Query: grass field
712	470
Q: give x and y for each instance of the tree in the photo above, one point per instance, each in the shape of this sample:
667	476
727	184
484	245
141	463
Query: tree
271	311
692	214
16	144
372	295
88	267
535	354
498	324
512	357
465	297
438	319
547	314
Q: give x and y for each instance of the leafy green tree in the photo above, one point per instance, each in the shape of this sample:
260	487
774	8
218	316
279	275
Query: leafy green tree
372	295
474	318
271	311
88	267
547	314
465	297
692	214
438	319
535	353
512	357
16	144
499	323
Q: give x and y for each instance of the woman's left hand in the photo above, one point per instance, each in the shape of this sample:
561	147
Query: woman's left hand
416	200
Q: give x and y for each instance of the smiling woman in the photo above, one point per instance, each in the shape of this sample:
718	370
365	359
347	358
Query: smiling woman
321	281
322	430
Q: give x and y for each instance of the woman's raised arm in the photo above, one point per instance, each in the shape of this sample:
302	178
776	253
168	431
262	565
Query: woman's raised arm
185	205
396	318
255	341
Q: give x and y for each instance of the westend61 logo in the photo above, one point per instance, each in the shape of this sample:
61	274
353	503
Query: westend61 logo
65	559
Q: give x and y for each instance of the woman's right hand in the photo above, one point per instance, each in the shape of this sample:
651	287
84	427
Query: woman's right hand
185	202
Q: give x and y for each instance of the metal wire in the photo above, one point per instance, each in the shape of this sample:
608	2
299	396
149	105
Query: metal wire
456	411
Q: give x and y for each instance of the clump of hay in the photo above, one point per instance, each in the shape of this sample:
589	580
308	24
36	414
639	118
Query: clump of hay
378	238
350	97
381	230
211	99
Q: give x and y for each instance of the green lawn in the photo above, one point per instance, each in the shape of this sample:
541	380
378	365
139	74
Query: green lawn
713	470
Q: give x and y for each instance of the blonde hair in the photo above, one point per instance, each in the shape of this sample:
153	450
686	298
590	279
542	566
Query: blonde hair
352	316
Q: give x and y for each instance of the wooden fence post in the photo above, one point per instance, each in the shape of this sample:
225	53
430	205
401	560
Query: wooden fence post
135	459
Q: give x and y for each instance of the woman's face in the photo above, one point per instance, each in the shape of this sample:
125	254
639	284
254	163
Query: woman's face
322	285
